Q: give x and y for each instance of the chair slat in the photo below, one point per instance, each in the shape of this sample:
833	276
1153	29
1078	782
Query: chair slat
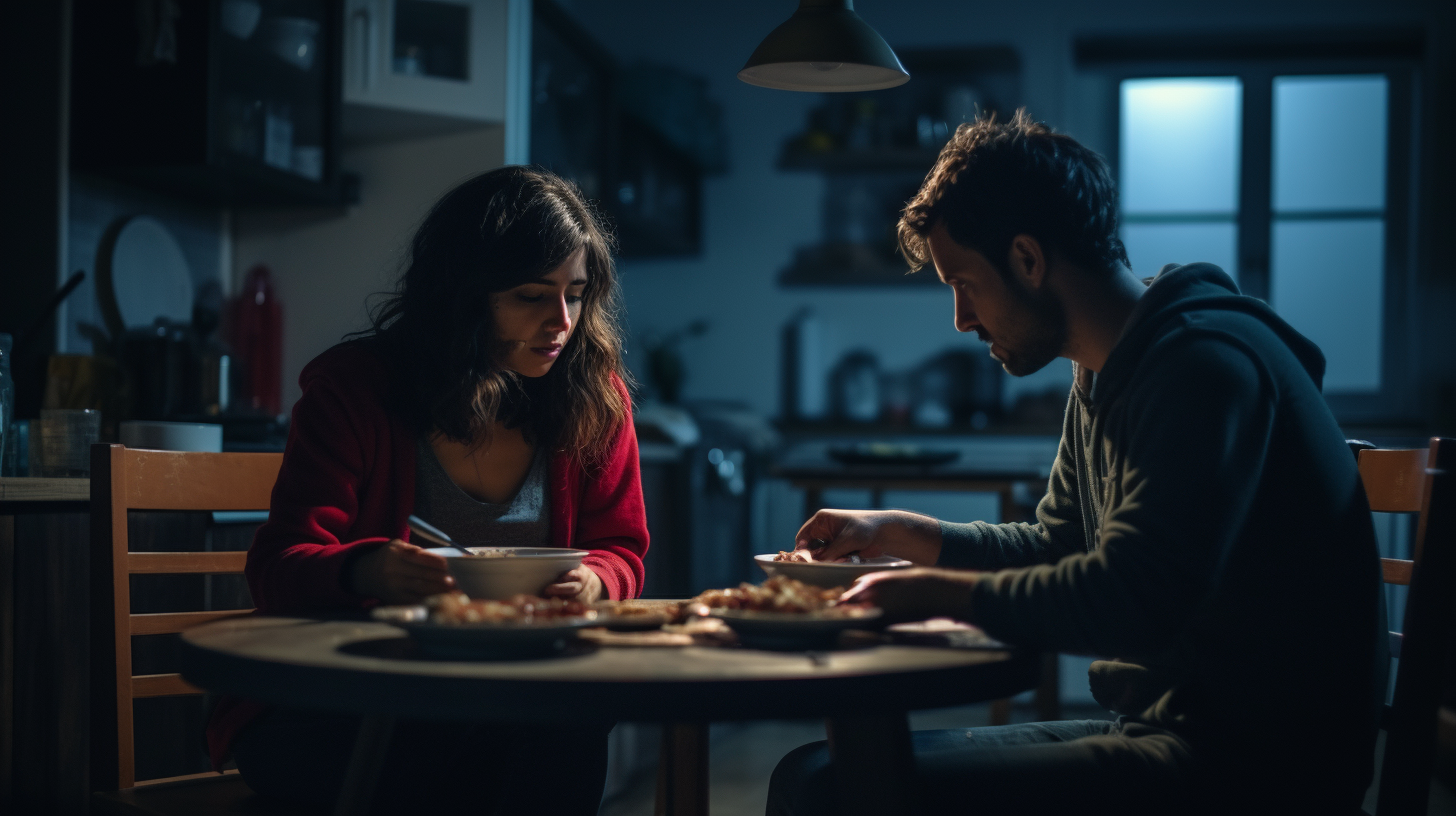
161	685
166	623
172	780
1396	571
178	563
1395	480
168	480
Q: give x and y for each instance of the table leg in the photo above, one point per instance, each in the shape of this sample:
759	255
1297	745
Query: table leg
365	765
874	765
1001	711
1047	698
682	770
7	656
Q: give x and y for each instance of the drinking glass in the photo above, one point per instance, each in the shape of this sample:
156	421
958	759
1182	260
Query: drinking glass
66	437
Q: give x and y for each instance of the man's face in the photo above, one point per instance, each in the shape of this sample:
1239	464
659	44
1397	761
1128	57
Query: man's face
1026	329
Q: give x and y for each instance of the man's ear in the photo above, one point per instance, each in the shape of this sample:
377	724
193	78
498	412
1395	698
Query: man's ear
1027	262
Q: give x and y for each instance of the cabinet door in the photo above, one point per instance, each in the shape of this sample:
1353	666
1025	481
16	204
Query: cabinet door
441	57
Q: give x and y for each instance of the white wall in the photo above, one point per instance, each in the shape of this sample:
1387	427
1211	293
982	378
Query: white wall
326	263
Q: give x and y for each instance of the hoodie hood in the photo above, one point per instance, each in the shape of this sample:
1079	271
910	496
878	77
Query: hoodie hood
1173	294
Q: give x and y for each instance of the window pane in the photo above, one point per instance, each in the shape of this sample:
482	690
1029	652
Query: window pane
1180	145
1326	281
1149	246
1329	143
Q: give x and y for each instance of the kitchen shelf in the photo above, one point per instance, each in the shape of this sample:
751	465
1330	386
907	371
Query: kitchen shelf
848	264
210	110
874	151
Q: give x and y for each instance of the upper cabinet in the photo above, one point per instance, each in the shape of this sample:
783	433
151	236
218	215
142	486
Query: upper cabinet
417	67
232	102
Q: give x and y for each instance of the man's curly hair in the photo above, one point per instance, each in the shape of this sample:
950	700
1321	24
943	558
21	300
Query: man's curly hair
994	181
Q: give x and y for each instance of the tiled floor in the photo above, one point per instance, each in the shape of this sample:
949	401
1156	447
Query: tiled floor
742	757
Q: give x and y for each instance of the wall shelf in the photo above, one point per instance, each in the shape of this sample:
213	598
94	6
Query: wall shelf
875	149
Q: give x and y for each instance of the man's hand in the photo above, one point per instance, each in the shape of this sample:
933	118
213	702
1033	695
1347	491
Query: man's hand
871	533
581	584
399	573
916	594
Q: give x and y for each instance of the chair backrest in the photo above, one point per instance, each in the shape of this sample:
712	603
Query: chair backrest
123	480
1416	481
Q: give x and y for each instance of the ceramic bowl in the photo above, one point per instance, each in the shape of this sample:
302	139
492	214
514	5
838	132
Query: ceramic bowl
523	571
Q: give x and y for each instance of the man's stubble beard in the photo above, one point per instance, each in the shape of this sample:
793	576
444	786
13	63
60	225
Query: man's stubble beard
1042	330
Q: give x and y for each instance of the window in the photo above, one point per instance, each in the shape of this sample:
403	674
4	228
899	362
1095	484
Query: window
1293	174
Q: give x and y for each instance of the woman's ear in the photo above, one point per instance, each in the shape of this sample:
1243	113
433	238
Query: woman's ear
1027	261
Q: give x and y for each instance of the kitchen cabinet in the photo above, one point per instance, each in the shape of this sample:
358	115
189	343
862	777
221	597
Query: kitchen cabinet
874	150
229	102
638	138
414	67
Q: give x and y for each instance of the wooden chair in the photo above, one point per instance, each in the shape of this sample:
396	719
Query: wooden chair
123	480
1420	481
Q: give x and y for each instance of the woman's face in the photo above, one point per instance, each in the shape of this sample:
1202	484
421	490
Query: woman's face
535	320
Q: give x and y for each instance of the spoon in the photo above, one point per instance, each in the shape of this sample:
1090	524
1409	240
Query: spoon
433	534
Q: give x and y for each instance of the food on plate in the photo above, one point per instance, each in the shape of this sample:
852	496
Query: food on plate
796	556
482	552
640	609
777	594
807	557
457	607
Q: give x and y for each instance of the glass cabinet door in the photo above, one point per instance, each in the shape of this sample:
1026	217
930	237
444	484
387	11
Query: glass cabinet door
272	101
444	57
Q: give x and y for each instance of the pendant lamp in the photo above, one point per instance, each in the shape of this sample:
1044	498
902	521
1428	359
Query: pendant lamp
825	46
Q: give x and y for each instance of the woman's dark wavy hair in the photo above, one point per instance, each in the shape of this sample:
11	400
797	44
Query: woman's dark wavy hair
492	233
994	181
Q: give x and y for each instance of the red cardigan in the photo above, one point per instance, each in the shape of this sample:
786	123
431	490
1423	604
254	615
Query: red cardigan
348	484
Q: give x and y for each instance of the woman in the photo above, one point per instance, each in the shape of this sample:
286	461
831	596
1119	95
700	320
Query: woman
488	398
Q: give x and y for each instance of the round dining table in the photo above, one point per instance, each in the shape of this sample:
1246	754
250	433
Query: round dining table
374	669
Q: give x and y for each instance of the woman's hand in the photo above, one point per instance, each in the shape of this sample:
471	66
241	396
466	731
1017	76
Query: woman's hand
581	584
916	594
871	533
399	573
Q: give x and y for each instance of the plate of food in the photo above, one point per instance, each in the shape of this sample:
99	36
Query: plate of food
782	613
800	566
453	626
636	615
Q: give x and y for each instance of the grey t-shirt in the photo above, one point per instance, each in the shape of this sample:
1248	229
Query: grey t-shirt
524	521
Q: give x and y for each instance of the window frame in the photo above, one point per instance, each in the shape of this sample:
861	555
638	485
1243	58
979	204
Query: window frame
1256	65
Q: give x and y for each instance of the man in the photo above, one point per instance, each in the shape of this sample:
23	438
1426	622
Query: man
1204	521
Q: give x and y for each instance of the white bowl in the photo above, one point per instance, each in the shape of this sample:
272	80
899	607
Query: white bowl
172	436
828	573
526	571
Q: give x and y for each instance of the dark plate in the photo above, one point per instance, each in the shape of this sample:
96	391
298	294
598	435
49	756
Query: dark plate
784	631
883	453
484	641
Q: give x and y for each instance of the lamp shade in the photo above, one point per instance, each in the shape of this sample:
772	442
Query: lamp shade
825	46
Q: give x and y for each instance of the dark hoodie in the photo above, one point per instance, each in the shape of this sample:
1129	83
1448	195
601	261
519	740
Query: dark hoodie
1204	522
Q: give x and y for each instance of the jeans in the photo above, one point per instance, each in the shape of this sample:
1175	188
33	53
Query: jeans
431	767
1070	767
